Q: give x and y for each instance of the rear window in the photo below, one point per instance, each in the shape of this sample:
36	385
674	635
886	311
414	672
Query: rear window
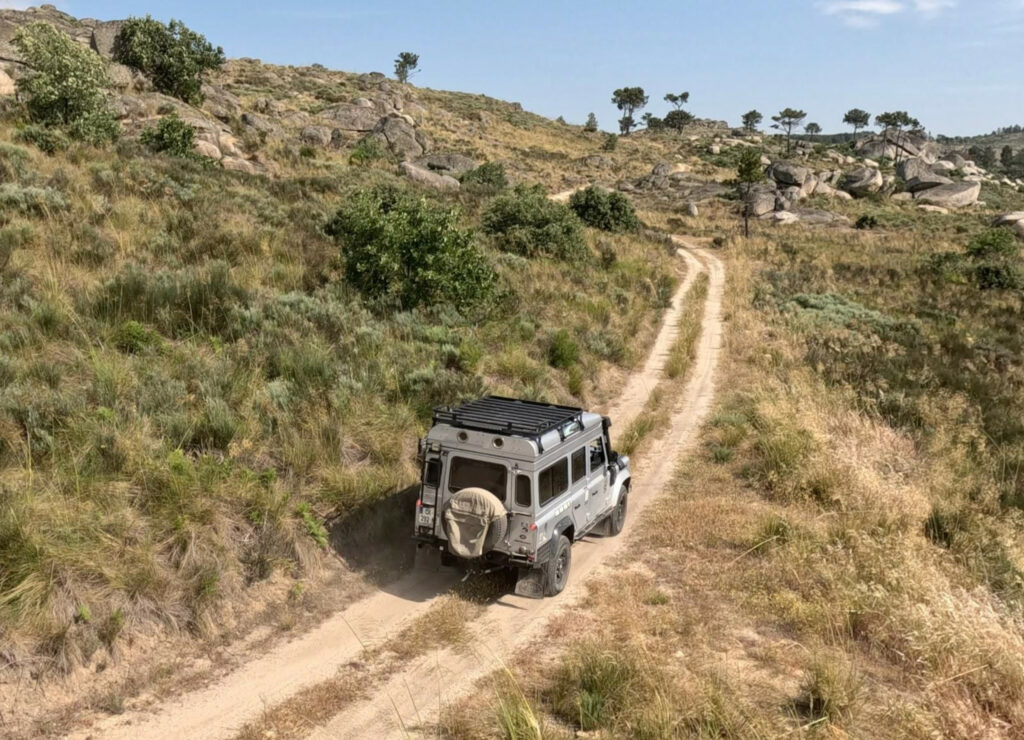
468	473
553	481
523	497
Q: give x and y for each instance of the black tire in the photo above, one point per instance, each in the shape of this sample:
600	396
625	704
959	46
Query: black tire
617	519
556	570
448	560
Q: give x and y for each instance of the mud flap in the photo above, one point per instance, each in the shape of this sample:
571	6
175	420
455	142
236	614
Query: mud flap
530	583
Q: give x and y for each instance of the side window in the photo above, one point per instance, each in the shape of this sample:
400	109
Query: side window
597	457
523	493
553	481
579	464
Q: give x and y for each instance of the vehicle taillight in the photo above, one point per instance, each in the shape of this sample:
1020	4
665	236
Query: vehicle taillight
533	526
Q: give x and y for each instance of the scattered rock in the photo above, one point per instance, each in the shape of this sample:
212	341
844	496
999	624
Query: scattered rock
957	195
862	181
920	176
348	117
933	209
787	173
783	218
102	38
207	149
598	161
692	210
401	138
817	217
260	123
761	200
901	197
316	136
236	164
943	166
449	163
6	84
423	176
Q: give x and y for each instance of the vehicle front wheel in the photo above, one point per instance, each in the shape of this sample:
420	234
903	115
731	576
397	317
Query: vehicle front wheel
617	519
556	570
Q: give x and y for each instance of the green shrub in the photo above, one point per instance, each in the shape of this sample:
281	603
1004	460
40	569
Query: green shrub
610	142
563	352
170	136
866	223
603	209
49	140
132	337
30	200
488	176
408	251
171	55
993	243
66	85
368	149
526	222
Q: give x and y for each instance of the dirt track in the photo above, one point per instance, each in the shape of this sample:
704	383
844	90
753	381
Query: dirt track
413	696
219	710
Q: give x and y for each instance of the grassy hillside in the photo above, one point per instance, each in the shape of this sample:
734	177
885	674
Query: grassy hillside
189	387
845	556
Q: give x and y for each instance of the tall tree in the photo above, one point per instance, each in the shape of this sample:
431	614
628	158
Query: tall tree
1006	157
787	120
751	120
591	124
895	120
629	100
678	119
652	122
678	101
858	119
812	130
749	173
406	65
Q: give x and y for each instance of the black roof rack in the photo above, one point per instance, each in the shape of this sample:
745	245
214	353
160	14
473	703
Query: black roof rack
509	416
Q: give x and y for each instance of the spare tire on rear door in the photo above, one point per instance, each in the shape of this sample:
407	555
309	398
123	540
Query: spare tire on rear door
474	522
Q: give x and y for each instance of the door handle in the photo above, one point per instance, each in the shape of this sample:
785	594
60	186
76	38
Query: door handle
576	506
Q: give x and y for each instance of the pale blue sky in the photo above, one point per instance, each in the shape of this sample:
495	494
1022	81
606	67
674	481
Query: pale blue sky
957	65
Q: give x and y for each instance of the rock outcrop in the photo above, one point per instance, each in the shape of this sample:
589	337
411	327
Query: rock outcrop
862	181
423	176
918	175
957	195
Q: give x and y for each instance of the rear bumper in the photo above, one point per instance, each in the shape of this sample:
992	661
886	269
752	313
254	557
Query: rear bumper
491	558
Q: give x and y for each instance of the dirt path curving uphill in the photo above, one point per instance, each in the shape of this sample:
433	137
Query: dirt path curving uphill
218	711
414	695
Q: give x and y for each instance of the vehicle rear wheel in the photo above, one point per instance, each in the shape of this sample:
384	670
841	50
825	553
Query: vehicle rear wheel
556	570
617	519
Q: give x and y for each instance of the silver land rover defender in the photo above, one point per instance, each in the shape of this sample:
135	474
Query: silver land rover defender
510	483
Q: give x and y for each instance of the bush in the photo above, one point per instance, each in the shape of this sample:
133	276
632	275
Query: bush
604	209
563	352
170	136
399	248
67	84
49	140
488	176
367	150
610	142
526	222
865	223
172	56
993	243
